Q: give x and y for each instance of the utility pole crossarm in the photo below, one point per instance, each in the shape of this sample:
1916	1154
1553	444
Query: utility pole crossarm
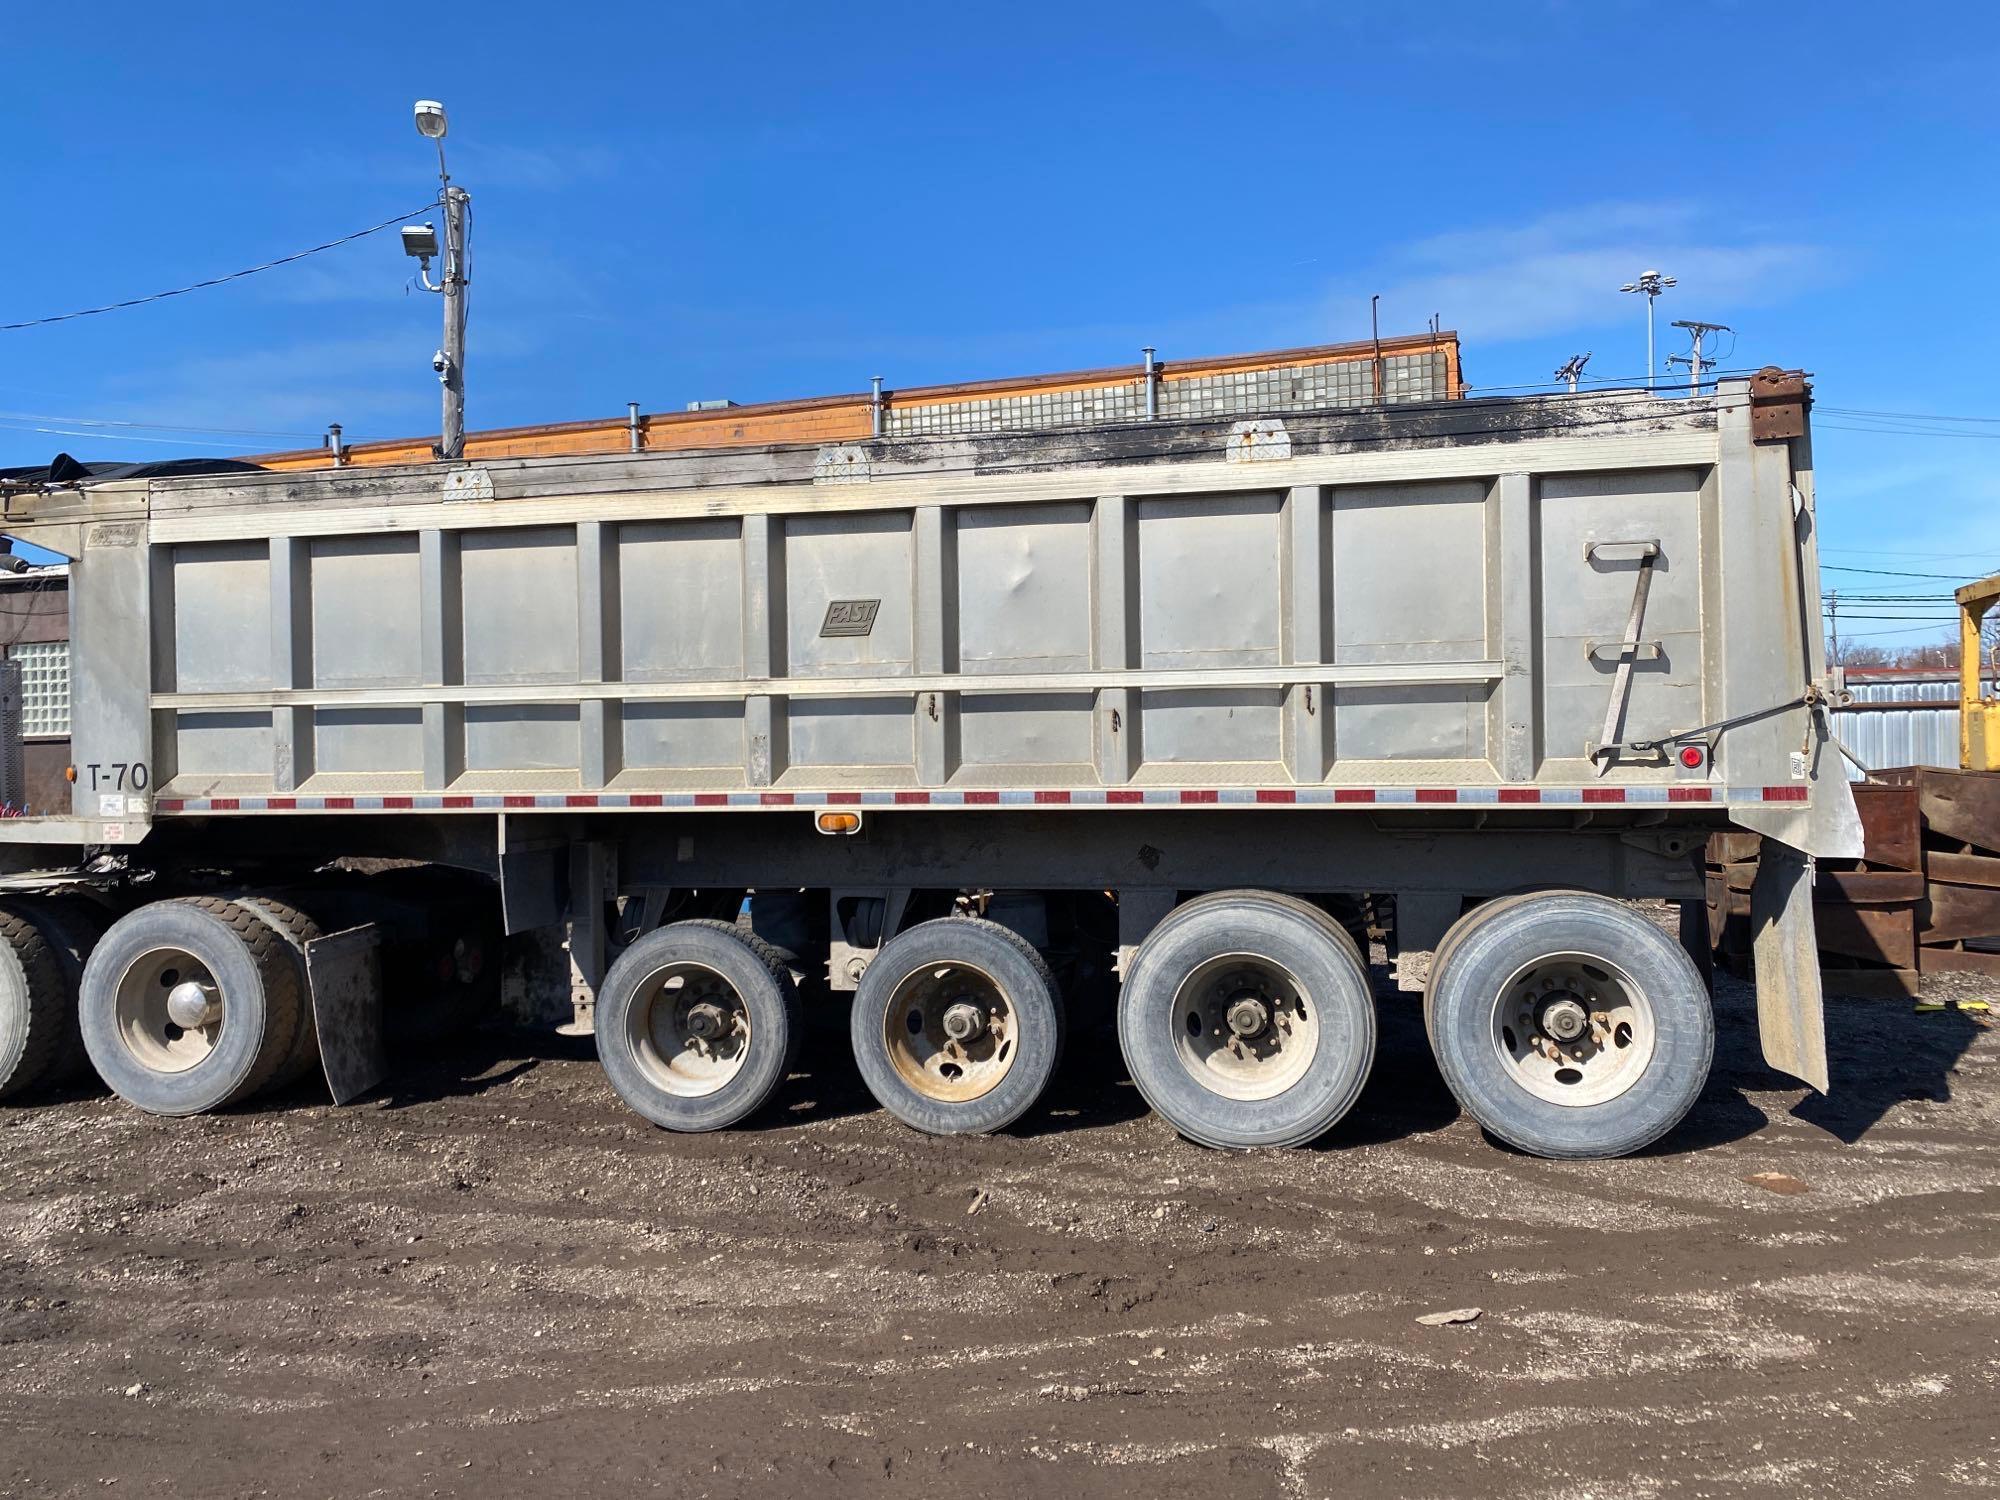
1694	359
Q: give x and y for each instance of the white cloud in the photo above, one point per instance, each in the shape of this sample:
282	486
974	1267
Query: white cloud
1560	273
359	381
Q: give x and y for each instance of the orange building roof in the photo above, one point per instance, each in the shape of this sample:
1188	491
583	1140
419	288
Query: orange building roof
831	419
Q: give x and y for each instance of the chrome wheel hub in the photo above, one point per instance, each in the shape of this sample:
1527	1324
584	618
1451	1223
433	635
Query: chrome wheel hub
689	1029
170	1011
949	1031
1573	1029
1243	1027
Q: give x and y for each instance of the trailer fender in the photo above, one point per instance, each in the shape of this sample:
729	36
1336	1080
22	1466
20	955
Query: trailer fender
1791	1023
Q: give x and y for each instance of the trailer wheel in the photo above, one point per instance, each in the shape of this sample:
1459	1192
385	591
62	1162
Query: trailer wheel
189	1005
71	926
1568	1025
1247	1019
697	1025
37	1010
957	1026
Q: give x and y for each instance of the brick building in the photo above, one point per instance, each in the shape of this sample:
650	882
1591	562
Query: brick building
34	631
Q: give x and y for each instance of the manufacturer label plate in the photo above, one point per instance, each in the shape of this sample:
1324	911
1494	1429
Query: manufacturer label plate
850	617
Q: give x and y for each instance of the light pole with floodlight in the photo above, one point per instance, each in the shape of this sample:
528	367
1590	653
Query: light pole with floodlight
1652	283
421	242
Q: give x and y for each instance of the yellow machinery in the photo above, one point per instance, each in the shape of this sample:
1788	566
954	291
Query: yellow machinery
1978	716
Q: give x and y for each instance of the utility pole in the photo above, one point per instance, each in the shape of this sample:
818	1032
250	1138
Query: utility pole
1651	283
449	361
1833	624
1573	369
1694	360
1375	328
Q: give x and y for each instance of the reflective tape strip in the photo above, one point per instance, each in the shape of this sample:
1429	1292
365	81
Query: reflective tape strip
1308	796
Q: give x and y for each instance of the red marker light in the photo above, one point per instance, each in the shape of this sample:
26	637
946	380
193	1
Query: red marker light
1693	757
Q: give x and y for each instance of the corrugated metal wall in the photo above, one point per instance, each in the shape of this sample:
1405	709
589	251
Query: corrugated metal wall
1881	737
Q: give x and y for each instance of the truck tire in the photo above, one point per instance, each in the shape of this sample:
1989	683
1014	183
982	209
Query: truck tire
957	1026
697	1025
297	929
1469	922
71	926
1568	1025
37	1009
1339	929
1248	1019
189	1005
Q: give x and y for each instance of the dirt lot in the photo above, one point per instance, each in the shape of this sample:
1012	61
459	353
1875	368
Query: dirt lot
493	1280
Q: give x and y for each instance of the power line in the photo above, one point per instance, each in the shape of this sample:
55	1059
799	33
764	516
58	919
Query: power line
1910	416
1933	432
181	291
1886	572
18	417
133	437
1869	635
1887	552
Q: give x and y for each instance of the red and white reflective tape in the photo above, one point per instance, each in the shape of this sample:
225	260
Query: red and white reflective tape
1234	796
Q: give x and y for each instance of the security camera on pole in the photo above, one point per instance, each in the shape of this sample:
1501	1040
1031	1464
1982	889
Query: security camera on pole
1652	283
421	242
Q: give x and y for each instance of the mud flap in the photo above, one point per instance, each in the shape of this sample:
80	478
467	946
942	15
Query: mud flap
344	971
1790	1022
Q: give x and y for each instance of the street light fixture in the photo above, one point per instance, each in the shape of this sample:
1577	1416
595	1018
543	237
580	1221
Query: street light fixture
421	243
1651	283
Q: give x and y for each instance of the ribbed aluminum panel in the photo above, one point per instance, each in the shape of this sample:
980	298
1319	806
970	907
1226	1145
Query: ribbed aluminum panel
1883	737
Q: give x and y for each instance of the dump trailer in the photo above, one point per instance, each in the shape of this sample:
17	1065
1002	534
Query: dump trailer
981	724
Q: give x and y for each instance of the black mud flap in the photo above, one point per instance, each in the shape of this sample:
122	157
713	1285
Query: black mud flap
344	970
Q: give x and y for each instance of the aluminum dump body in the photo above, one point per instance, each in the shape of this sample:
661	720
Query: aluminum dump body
1506	603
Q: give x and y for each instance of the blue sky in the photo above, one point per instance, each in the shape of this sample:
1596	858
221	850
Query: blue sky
756	201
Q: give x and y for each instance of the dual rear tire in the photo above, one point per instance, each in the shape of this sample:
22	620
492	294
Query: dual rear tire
39	1045
697	1025
957	1026
1247	1019
194	1005
1568	1025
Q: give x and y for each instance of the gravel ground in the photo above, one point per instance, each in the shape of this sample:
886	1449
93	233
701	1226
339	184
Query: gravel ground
493	1280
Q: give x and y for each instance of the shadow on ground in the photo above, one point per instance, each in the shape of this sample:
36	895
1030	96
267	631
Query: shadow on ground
1882	1053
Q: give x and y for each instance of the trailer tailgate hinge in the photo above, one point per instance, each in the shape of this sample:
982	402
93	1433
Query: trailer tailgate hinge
1779	400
